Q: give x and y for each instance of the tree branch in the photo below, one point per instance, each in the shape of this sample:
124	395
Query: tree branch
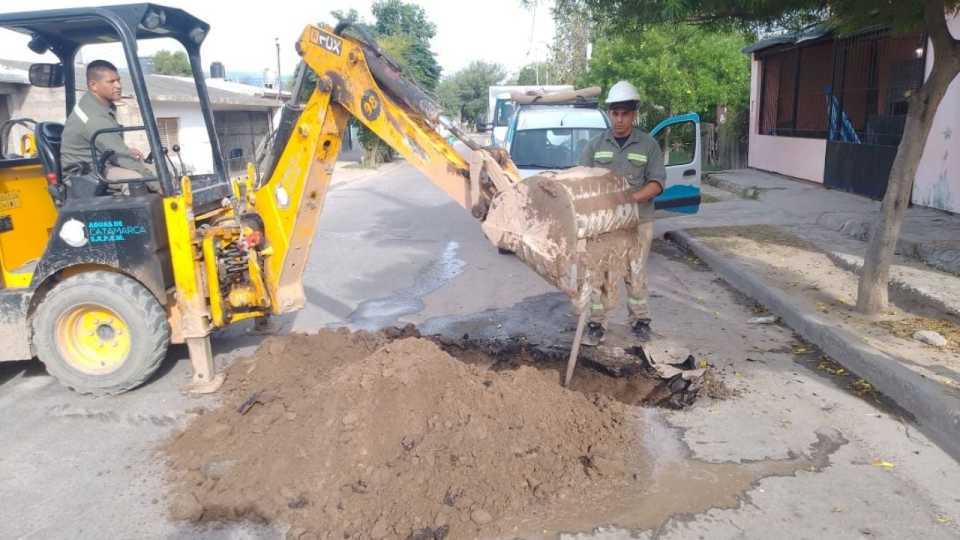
935	19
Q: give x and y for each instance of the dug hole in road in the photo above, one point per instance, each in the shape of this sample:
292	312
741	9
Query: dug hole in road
359	435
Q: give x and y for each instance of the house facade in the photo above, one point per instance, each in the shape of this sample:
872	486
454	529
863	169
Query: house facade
831	110
243	115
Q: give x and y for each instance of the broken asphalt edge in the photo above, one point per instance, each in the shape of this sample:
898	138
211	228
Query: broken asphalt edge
935	409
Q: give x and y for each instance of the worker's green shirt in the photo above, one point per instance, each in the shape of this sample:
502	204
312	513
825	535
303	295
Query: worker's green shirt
639	161
88	117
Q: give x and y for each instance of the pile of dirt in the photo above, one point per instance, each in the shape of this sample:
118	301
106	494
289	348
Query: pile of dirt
344	435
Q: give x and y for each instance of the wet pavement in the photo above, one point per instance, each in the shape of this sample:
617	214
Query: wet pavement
383	312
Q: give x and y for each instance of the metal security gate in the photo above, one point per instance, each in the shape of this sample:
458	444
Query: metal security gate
866	104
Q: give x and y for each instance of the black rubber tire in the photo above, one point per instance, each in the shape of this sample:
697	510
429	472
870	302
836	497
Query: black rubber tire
145	318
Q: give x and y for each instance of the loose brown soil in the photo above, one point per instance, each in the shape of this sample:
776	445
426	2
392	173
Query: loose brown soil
343	435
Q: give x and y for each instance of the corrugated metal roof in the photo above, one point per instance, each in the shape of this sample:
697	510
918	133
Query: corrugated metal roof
176	89
791	38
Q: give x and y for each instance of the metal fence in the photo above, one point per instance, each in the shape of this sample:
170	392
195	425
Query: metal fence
852	89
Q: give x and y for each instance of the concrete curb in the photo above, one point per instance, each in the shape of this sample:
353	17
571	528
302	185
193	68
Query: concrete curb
751	192
344	175
936	409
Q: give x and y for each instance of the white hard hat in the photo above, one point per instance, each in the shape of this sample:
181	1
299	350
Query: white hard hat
622	91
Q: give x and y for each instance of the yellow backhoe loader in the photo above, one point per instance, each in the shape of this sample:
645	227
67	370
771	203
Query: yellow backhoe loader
98	285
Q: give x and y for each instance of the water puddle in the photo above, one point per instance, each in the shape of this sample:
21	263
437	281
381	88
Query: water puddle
382	312
677	485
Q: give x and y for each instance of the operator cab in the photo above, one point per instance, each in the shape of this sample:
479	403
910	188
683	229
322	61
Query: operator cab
33	187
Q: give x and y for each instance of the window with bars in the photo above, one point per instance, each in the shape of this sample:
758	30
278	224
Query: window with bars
852	89
169	131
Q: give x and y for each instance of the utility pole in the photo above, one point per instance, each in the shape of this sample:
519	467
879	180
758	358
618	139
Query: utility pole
279	77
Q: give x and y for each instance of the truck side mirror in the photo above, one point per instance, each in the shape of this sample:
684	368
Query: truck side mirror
46	75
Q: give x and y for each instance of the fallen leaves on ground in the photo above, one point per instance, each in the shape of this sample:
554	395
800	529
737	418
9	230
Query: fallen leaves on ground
831	367
885	465
905	328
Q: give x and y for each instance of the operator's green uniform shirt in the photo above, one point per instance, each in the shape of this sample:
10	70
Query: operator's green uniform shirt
639	160
88	117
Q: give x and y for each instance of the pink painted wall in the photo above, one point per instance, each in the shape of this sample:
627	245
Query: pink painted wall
938	177
792	156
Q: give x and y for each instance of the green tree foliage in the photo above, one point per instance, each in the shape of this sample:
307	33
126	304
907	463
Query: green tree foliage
676	68
171	63
398	47
398	18
928	16
573	32
538	73
761	15
465	93
403	31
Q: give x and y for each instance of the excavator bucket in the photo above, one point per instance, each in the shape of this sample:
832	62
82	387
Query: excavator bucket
567	225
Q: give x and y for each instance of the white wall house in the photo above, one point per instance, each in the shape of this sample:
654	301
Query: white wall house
242	115
831	110
938	178
182	124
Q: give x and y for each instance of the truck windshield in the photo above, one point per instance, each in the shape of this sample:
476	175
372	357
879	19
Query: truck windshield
550	148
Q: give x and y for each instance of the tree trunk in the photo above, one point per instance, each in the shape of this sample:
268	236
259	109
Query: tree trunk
872	291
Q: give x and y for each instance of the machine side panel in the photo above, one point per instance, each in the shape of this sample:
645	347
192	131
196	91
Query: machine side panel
14	331
125	233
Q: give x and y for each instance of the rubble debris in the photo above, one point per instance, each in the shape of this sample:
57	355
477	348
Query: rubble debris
930	338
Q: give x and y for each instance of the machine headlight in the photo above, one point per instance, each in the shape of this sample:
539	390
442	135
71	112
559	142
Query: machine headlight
154	19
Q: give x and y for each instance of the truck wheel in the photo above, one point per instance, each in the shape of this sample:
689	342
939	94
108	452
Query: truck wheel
100	333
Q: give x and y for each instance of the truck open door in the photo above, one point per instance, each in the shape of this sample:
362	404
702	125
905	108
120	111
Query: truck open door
679	139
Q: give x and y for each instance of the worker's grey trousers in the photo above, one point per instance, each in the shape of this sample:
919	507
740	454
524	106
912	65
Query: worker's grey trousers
603	287
114	173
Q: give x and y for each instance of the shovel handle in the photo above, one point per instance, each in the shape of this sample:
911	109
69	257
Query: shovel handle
575	350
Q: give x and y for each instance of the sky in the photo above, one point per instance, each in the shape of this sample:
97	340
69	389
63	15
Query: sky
243	32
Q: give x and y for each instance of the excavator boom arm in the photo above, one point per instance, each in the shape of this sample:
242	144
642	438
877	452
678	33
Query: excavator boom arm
291	197
543	222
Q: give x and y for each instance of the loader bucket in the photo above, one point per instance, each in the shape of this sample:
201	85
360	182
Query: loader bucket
565	225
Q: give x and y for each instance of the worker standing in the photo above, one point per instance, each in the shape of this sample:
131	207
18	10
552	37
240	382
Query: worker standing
636	156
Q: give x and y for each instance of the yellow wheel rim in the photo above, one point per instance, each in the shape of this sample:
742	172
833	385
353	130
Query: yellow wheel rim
93	339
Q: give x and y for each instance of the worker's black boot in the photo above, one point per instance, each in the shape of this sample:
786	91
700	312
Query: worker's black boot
641	330
593	335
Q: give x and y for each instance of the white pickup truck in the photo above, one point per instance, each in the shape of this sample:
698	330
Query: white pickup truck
502	107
